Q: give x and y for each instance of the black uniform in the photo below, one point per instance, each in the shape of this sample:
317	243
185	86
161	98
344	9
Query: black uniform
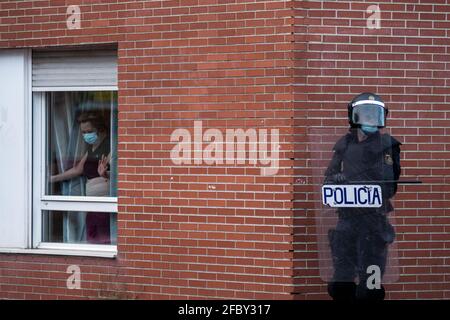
361	235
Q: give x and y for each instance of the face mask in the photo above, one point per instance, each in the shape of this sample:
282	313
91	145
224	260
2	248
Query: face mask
369	129
90	137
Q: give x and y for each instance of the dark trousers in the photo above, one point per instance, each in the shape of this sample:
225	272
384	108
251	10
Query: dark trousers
357	242
97	228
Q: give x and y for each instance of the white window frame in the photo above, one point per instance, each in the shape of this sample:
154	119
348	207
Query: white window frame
64	203
33	198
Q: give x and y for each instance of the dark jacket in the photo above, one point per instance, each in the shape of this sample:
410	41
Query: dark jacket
90	169
377	158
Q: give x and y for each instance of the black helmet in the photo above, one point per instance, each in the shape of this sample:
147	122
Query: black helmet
367	109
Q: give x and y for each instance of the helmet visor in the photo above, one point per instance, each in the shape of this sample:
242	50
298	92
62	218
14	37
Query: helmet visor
369	115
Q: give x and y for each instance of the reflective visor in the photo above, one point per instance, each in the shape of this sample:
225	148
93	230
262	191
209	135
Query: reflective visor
368	114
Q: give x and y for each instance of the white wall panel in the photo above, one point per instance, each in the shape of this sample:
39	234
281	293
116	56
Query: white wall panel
15	158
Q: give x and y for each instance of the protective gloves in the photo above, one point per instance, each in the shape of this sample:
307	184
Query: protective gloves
337	178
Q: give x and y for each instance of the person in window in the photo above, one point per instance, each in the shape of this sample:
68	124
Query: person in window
94	165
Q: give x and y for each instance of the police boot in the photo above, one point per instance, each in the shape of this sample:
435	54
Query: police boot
365	294
342	291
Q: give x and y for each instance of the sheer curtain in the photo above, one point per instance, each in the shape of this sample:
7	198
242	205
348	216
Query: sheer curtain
113	163
67	148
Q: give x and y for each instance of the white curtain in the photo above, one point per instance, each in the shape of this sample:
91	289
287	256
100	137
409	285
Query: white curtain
68	147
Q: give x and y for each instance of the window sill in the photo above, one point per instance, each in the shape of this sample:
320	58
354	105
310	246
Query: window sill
71	250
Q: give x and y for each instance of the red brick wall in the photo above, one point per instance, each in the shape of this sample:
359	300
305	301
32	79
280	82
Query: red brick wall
407	62
227	231
194	231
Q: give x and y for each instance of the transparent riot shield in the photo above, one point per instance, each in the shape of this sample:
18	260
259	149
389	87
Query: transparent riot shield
354	180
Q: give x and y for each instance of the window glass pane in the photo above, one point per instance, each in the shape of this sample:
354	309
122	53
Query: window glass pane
79	227
81	143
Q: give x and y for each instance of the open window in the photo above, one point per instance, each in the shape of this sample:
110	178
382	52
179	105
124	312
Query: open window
75	150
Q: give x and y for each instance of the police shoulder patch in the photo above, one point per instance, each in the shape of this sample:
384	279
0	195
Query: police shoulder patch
388	159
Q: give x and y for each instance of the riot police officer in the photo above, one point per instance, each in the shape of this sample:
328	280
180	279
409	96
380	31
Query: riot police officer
361	236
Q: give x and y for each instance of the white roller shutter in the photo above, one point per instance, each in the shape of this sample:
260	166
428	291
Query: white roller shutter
75	68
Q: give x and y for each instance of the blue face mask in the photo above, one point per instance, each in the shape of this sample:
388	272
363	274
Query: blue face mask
369	129
90	137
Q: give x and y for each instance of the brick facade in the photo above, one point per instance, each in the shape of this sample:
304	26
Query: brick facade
226	231
407	63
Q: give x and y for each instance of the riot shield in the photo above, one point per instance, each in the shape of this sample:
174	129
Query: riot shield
353	177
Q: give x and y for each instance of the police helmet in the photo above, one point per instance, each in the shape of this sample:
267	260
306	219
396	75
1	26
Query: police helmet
367	109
